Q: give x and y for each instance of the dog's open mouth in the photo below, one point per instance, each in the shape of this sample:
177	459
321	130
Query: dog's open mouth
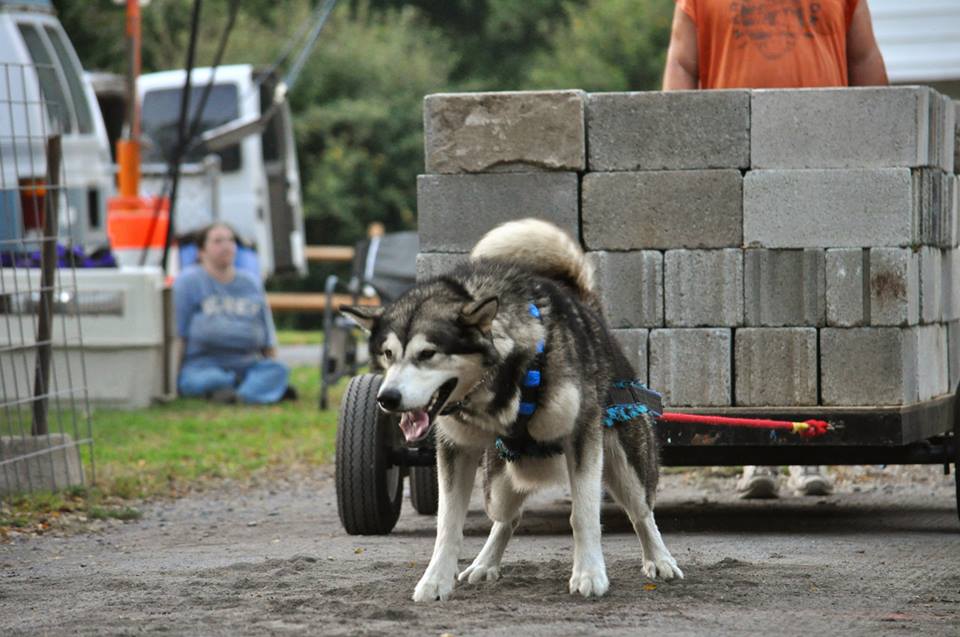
415	424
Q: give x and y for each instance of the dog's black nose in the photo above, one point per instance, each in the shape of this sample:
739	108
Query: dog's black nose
389	399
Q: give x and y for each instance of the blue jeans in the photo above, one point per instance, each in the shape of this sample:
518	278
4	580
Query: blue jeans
263	382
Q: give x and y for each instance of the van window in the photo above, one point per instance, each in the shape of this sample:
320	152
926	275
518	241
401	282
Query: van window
160	116
57	105
84	118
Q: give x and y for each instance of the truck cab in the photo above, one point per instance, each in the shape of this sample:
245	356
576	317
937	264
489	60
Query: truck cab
252	184
42	92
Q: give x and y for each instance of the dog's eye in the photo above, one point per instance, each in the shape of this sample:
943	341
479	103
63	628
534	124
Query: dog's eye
426	355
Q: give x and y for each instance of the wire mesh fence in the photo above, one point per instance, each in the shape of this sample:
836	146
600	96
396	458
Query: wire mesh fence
44	408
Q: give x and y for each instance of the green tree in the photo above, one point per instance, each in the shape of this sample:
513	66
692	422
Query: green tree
607	45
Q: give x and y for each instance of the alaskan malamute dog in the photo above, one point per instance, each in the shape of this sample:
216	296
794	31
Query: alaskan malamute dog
511	360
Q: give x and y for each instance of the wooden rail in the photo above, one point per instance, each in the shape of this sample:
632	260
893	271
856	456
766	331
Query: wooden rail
311	301
337	254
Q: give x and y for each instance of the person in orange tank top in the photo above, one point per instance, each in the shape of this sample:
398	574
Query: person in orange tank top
772	44
716	44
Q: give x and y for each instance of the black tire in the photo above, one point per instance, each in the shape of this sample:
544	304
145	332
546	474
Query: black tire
424	490
369	486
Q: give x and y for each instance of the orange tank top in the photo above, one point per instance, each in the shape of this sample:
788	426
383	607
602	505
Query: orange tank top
771	43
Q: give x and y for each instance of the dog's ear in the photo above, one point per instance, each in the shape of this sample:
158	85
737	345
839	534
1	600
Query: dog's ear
480	314
363	315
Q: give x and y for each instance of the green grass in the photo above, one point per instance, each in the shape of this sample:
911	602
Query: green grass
299	337
169	449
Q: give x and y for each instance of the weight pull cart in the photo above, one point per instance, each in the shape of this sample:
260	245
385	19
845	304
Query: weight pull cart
373	459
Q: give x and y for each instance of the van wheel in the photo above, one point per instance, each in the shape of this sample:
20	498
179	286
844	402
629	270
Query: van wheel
424	490
369	486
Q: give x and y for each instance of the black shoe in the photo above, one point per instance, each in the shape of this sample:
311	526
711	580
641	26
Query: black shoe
290	393
224	396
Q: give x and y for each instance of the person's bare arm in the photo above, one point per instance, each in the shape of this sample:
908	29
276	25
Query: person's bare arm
680	71
864	60
270	352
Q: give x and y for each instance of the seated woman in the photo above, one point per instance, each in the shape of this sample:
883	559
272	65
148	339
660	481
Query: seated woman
225	334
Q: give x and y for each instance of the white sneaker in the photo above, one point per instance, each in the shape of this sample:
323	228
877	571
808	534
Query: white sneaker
809	480
758	482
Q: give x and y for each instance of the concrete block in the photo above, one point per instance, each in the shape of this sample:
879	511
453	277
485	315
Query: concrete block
703	288
956	136
668	131
775	366
504	132
433	264
894	280
56	466
949	279
932	361
784	287
953	355
848	297
828	208
878	127
933	204
868	366
663	210
630	286
454	211
949	135
931	288
691	367
635	347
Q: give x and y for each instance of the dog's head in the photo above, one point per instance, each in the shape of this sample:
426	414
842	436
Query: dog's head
433	346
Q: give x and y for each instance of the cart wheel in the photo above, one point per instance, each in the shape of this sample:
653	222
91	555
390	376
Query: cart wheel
424	491
369	486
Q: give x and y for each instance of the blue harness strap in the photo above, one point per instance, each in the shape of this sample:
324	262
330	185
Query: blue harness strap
627	400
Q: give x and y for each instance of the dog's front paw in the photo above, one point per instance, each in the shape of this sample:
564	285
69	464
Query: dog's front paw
589	582
476	573
433	587
663	566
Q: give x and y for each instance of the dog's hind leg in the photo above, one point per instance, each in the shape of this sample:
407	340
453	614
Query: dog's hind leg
504	506
623	482
584	458
457	469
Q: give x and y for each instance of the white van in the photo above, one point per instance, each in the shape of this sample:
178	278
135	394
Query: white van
257	188
42	90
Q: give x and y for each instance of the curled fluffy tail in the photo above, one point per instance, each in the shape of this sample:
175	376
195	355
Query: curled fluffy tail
540	246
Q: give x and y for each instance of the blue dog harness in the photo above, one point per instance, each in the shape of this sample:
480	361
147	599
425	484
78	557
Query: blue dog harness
627	400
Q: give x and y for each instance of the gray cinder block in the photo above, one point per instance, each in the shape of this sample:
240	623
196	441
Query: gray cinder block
949	135
703	288
775	366
843	208
662	210
956	136
841	128
894	281
932	361
848	299
432	264
931	289
691	367
630	286
634	344
39	463
868	366
504	132
454	211
933	206
949	278
784	287
953	355
668	131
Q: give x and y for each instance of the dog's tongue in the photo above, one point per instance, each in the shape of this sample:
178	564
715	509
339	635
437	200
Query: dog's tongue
414	425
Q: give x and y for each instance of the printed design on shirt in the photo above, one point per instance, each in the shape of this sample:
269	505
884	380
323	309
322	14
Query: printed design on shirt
232	305
774	27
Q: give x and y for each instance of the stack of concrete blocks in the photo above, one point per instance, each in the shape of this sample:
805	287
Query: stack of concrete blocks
753	248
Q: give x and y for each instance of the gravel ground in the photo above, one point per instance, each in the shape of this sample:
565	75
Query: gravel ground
882	556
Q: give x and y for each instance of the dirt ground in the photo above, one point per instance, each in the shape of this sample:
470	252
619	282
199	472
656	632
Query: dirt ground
880	557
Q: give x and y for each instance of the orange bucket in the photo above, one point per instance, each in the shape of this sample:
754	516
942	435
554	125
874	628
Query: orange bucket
137	222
